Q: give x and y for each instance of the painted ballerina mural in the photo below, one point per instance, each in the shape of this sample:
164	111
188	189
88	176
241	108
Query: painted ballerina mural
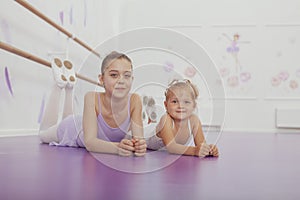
285	78
231	69
234	49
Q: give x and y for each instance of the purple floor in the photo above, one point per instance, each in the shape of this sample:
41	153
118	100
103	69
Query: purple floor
251	166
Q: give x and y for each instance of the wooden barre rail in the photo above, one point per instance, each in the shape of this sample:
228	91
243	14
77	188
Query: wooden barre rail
52	23
31	57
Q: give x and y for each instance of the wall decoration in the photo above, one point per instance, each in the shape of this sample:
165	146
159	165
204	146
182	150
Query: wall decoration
8	81
168	66
283	79
61	17
190	71
71	15
233	47
85	13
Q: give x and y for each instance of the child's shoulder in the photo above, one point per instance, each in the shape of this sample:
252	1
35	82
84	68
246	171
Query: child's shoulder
165	121
135	100
194	119
165	117
92	94
135	96
89	95
194	116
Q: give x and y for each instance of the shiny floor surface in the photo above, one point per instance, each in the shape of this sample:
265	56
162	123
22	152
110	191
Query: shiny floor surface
250	166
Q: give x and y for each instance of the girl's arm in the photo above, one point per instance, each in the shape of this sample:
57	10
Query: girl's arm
197	130
199	136
136	116
137	125
90	129
168	138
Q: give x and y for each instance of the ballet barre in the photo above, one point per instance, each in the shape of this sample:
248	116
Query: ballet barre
52	23
31	57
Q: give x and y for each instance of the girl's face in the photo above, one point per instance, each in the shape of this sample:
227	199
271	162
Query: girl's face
235	37
180	104
117	78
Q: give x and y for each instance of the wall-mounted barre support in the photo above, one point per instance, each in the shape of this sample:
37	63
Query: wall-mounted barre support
24	54
52	23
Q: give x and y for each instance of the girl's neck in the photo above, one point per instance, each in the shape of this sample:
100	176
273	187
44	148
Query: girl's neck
117	103
180	126
180	122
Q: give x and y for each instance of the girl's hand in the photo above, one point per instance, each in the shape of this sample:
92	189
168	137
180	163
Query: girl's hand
140	147
125	147
213	150
204	150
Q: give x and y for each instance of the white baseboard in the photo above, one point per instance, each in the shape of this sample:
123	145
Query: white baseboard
261	131
27	132
18	132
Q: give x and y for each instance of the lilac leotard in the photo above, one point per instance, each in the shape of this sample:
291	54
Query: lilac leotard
70	131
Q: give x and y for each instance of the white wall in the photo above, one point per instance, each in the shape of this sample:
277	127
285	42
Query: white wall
269	44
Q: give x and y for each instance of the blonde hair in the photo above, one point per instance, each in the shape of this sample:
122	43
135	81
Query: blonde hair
110	58
182	84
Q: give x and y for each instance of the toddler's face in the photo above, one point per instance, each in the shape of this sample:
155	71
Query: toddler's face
180	104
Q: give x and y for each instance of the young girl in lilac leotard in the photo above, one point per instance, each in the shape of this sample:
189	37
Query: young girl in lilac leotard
107	117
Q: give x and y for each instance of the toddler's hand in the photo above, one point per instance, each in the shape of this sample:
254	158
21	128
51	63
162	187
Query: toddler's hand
204	150
213	150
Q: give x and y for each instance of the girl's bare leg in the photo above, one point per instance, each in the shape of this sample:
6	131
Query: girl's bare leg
64	75
71	80
48	125
68	104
